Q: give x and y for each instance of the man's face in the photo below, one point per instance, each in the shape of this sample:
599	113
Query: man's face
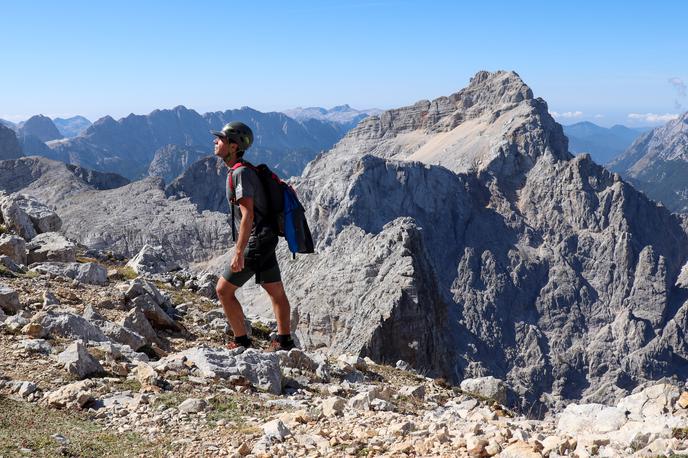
222	147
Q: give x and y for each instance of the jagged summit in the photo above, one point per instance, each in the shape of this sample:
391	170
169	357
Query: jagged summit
475	129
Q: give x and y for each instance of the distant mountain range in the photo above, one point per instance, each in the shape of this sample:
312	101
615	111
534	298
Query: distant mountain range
342	114
128	146
657	163
602	143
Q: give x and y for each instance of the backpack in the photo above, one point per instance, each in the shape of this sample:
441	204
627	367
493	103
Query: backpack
286	214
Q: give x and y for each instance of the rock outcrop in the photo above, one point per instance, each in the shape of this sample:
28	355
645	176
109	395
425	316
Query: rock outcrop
170	161
657	163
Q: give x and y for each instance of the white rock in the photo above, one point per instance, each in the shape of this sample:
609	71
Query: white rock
151	260
193	405
276	430
652	401
333	406
50	247
488	387
14	247
590	419
77	361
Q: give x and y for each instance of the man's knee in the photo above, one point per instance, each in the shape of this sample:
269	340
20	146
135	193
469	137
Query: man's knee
275	290
225	289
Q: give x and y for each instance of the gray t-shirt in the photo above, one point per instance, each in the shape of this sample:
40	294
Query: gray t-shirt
247	184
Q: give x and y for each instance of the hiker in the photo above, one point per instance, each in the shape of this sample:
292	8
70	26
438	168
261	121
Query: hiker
254	250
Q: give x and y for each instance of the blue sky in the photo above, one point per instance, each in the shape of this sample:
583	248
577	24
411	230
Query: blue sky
608	62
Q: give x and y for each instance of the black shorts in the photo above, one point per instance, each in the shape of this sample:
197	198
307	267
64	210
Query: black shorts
259	260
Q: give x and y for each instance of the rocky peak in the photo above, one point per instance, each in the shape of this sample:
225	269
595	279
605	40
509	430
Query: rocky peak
657	162
494	125
40	127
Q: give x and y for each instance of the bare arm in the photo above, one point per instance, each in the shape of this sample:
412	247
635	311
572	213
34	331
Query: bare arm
246	206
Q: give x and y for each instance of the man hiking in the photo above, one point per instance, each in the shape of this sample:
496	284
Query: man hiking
254	250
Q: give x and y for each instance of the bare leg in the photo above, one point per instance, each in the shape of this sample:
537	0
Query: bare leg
280	306
235	314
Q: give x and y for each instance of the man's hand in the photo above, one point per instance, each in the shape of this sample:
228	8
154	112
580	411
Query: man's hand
238	262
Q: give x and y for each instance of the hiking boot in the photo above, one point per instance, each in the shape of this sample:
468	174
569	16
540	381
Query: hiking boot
276	346
232	345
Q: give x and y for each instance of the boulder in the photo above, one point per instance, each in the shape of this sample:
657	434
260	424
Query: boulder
652	401
151	260
145	374
9	299
43	218
206	286
261	369
193	405
27	216
11	265
15	218
136	322
77	393
79	362
88	272
50	246
63	323
14	247
333	406
122	335
155	314
487	387
3	317
590	419
35	346
276	430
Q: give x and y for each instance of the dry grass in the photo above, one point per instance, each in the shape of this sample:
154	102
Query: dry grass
29	427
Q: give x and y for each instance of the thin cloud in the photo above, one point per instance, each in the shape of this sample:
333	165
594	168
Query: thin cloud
567	114
598	116
679	85
653	117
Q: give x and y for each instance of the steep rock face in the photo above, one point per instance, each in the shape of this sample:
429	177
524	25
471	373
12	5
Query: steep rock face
204	184
657	163
170	161
535	267
41	127
9	146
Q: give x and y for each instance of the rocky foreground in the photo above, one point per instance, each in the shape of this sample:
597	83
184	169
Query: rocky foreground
99	358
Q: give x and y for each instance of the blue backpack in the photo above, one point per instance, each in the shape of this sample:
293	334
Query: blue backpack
287	215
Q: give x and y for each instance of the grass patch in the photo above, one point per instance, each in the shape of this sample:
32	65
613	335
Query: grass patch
128	384
224	408
31	274
168	400
24	425
260	330
126	272
5	272
84	259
